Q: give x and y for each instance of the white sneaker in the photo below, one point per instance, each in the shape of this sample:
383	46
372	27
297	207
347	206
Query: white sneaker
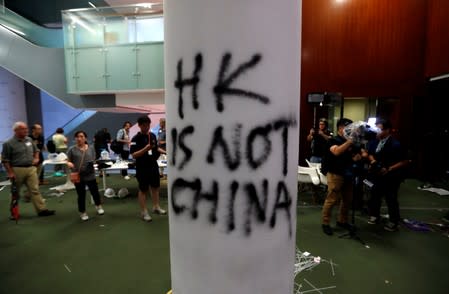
127	178
159	210
84	217
146	216
372	220
100	210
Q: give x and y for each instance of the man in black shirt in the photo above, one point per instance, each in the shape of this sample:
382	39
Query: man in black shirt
318	141
145	150
101	140
38	139
388	159
338	163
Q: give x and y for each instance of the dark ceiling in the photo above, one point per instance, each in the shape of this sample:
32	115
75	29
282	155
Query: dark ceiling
47	11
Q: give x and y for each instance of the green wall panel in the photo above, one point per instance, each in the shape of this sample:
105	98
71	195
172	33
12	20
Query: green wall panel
150	65
121	67
90	67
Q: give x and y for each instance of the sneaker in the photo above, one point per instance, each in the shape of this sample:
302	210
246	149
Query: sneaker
100	210
159	211
327	230
127	178
46	212
146	217
391	227
372	220
84	217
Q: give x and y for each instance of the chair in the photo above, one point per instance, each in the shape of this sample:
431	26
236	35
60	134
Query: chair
323	179
313	164
308	175
308	179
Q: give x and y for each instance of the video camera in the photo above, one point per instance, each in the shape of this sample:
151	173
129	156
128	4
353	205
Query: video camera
360	133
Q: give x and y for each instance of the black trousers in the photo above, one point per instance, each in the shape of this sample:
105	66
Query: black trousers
388	188
81	192
124	155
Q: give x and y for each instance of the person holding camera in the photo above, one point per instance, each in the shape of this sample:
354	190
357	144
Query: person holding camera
387	162
318	140
338	166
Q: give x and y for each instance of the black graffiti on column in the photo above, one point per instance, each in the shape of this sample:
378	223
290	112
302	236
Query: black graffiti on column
179	140
180	83
219	141
233	146
223	83
187	195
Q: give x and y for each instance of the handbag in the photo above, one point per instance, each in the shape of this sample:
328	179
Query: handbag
75	176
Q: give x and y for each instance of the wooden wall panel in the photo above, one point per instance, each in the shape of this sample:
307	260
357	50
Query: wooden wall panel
362	48
437	50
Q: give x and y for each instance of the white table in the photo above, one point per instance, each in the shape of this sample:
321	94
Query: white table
68	184
4	184
162	166
112	166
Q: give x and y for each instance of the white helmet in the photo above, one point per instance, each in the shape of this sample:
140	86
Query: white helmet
60	157
52	156
123	192
109	193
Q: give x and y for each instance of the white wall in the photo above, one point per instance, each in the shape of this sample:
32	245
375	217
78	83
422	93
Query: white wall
12	103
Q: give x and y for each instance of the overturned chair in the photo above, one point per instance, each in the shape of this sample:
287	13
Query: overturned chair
311	178
317	166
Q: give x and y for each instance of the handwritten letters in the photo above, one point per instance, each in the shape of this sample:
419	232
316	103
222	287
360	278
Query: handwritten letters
232	146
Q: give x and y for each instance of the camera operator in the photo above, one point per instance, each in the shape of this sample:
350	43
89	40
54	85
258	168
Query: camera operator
318	140
387	162
338	165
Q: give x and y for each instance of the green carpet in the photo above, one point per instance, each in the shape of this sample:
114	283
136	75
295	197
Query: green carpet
119	253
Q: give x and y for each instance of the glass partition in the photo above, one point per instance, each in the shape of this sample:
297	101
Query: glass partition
36	34
111	49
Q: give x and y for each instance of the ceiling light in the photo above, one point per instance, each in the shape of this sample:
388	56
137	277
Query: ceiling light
91	4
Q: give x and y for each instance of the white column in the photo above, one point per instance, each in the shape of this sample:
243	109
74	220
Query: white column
232	72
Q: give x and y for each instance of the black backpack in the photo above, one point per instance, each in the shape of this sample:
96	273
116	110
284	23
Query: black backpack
116	147
51	147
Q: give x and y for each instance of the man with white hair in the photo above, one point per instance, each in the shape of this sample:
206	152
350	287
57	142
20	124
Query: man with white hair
20	156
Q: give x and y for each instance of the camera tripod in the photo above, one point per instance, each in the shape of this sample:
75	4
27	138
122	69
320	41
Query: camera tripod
352	232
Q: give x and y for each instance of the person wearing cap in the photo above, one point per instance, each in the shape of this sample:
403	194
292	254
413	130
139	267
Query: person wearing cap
20	156
318	140
338	164
387	161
